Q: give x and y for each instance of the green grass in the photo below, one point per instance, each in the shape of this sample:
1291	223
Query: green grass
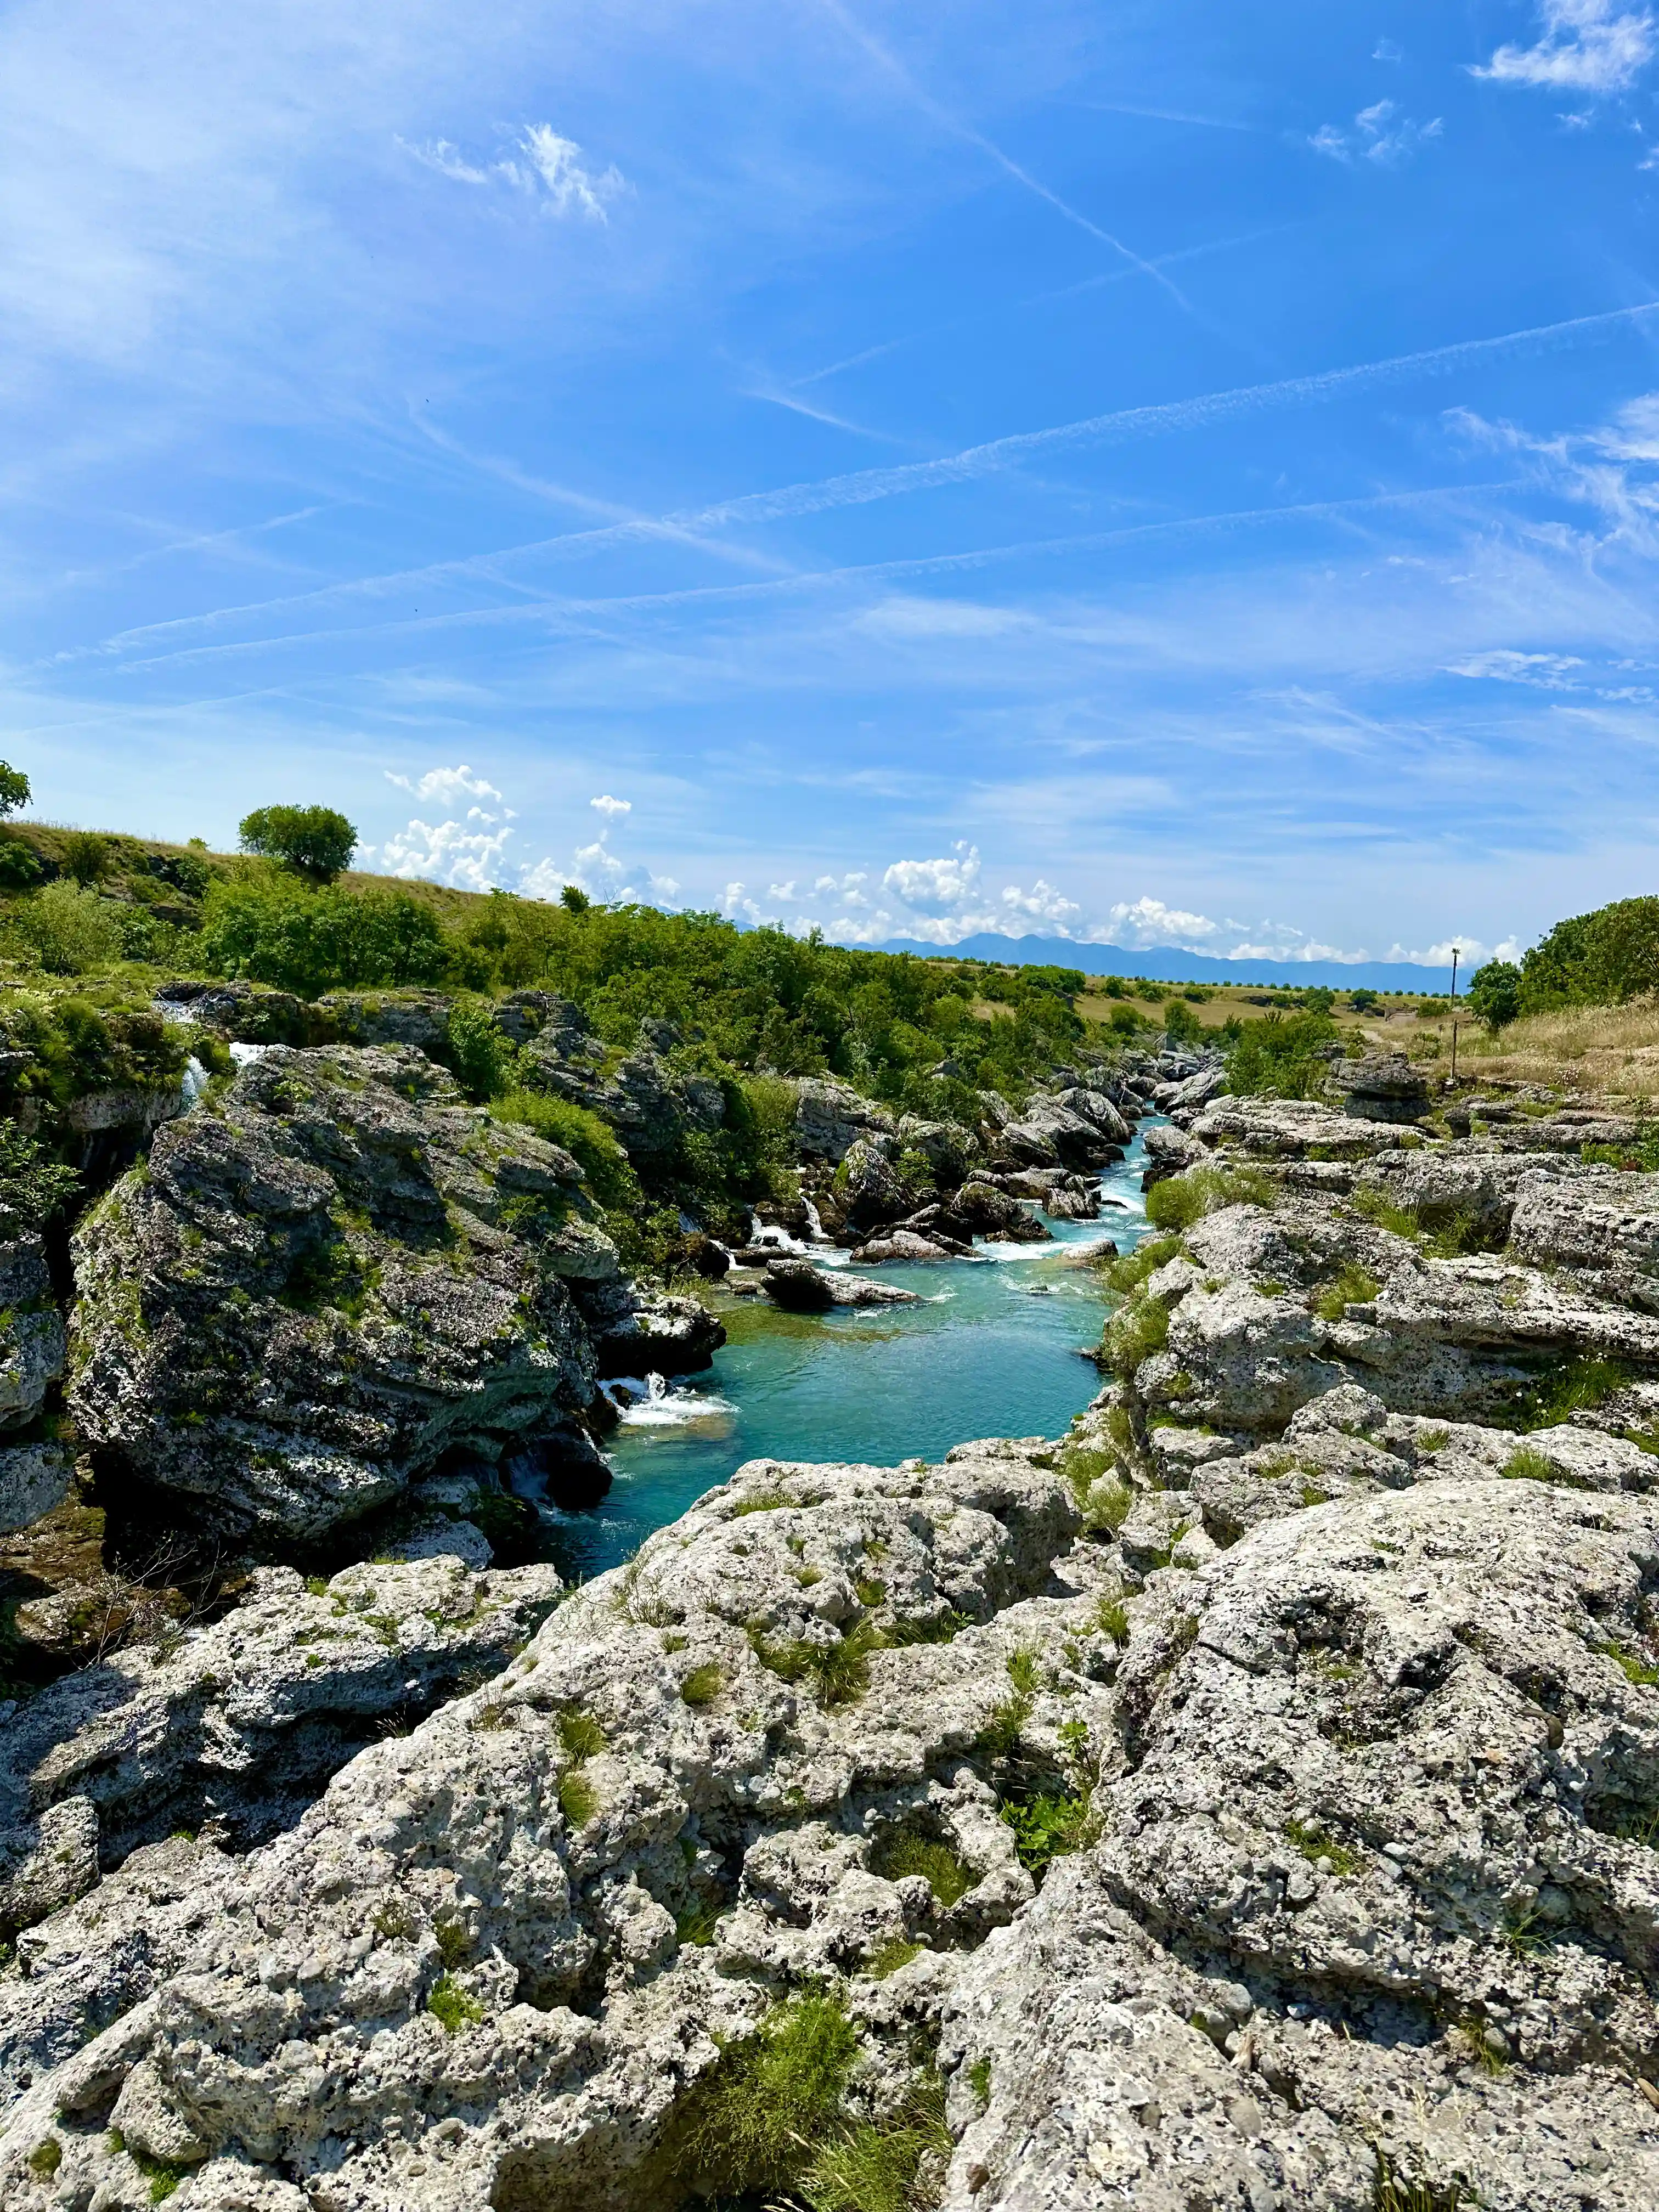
454	1942
1528	1464
580	1735
1130	1270
939	1629
901	1851
1315	1844
1391	2194
696	1924
1574	1388
760	1501
45	2158
873	2166
1433	1440
999	1737
868	1591
892	1955
1112	1618
1377	1206
1180	1200
1133	1334
452	2008
979	2081
704	1683
1634	1667
1352	1287
1026	1672
757	2120
839	1672
1106	1507
578	1799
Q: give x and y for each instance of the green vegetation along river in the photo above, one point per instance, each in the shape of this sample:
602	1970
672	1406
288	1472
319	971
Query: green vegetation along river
994	1351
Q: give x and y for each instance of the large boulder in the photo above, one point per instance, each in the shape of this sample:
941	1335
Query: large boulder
868	1191
800	1287
1298	1129
650	1106
315	1290
1380	1087
831	1117
238	1725
30	1331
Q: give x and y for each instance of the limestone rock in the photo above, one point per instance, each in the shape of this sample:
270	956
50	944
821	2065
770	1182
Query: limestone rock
308	1297
239	1725
831	1117
31	1332
1380	1087
1292	1128
868	1187
34	1479
800	1287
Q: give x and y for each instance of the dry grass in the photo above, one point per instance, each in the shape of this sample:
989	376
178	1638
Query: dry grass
1614	1050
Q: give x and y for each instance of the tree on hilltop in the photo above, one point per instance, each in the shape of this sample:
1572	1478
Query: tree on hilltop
14	788
315	842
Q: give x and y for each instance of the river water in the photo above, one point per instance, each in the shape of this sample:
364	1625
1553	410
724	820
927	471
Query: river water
994	1351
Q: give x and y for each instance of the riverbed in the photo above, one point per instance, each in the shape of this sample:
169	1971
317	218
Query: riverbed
994	1350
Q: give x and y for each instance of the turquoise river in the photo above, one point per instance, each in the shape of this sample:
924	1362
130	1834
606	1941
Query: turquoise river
994	1351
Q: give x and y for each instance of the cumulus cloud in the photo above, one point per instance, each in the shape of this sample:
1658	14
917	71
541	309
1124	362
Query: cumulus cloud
539	164
930	884
1381	134
449	786
610	807
1148	921
467	854
1042	902
1587	46
1471	953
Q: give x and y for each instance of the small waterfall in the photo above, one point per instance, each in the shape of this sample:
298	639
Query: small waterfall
195	1081
813	1222
246	1054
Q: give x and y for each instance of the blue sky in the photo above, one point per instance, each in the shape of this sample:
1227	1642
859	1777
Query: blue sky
1178	474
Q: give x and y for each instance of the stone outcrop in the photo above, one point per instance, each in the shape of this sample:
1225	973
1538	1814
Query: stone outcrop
313	1293
33	1473
800	1287
649	1105
237	1726
831	1117
1381	1086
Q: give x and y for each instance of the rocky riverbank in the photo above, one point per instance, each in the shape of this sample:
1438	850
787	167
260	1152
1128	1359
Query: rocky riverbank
1249	1797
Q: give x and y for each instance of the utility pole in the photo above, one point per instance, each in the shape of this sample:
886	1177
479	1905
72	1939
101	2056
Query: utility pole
1454	1016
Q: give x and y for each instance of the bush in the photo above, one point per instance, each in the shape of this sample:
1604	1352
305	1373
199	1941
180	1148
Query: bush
588	1139
1595	959
484	1060
87	856
1495	993
20	863
69	930
315	842
14	788
273	929
1180	1200
1282	1056
33	1187
1180	1024
1133	1334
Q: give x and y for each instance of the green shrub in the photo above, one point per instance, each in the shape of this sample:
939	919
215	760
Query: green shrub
1315	1844
1133	1334
1180	1024
1049	1825
1282	1056
316	841
273	928
451	2006
483	1060
889	1957
33	1187
1595	959
88	857
1112	1618
69	930
1495	993
20	863
1129	1272
583	1135
839	1671
1180	1200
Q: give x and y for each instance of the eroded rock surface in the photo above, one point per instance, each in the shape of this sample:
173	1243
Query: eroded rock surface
309	1296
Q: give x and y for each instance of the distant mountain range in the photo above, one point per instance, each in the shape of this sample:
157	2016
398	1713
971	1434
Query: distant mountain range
1167	963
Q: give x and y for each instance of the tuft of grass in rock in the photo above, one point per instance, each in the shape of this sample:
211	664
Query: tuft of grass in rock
451	2006
696	1924
979	2081
1433	1440
1315	1844
579	1734
868	1591
1574	1387
756	2121
890	1956
1026	1672
704	1683
839	1671
1353	1286
1112	1618
875	2166
1528	1464
937	1628
1634	1667
1392	2194
1049	1825
759	1501
1128	1273
578	1799
163	2174
454	1944
47	2157
901	1851
1133	1334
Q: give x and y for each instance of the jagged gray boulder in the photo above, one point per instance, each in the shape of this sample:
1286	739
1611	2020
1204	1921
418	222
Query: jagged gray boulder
237	1725
313	1291
31	1343
831	1117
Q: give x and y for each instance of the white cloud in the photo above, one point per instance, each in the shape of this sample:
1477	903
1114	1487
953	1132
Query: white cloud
541	164
1388	50
1376	136
1545	671
949	882
1586	47
449	786
448	851
610	807
781	891
1148	922
1471	953
1042	902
